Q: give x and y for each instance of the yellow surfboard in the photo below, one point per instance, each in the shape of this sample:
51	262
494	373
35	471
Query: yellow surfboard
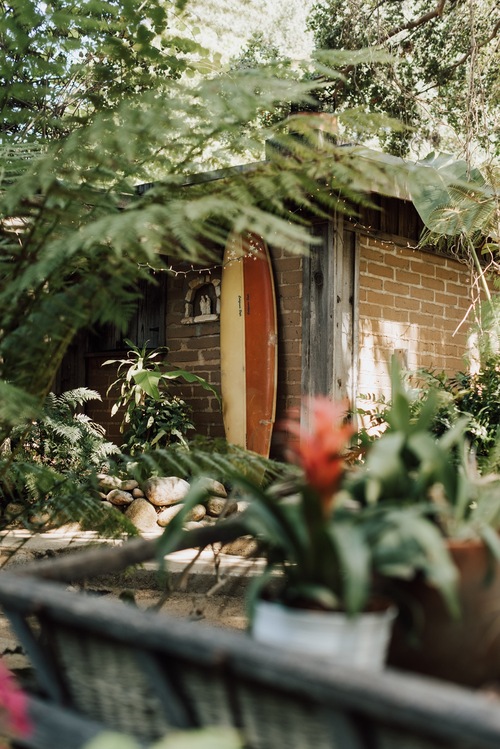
249	342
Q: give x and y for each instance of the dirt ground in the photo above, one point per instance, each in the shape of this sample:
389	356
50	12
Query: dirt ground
218	610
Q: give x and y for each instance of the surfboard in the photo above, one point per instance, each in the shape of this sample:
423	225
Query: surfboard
249	343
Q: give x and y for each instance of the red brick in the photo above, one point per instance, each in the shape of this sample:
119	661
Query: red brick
396	288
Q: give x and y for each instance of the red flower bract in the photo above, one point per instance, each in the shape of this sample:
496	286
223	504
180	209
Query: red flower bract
13	704
321	448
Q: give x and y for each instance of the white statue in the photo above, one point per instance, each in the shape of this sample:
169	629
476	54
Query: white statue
205	305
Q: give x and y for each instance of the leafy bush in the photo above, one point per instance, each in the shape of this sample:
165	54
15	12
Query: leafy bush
157	423
64	438
50	463
478	397
154	416
474	396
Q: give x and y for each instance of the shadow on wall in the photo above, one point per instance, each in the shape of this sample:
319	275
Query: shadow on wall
417	346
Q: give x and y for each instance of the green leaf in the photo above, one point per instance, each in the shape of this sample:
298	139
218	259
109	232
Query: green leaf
148	381
385	471
162	433
319	595
16	405
450	198
354	556
274	521
492	540
427	412
436	562
255	588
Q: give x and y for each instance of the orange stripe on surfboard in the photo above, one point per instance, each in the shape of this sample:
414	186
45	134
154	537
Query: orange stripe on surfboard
248	344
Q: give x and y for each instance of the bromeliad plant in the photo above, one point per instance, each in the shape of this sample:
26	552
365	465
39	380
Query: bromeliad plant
304	530
307	534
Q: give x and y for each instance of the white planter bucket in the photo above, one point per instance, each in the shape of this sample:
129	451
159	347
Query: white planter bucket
359	641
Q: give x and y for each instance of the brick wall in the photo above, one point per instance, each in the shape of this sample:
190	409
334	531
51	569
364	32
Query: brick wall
288	280
196	348
411	302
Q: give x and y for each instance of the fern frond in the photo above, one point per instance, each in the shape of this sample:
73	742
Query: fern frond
78	397
69	432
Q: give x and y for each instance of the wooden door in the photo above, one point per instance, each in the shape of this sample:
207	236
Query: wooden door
329	313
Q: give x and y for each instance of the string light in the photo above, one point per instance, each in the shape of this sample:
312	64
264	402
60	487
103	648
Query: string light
233	257
254	251
199	271
175	272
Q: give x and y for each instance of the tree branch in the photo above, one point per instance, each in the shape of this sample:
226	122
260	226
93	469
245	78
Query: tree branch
462	60
435	13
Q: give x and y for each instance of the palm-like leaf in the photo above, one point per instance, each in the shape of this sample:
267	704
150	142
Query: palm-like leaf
452	199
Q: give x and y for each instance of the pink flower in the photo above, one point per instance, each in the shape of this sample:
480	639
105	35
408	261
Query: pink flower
13	705
321	448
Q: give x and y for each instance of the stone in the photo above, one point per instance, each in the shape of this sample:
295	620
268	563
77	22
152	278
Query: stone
143	515
163	491
128	485
137	492
119	497
14	510
192	525
214	487
241	547
197	513
217	505
166	516
40	519
107	482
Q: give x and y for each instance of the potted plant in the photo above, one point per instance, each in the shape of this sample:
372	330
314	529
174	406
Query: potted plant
325	600
348	538
448	624
318	573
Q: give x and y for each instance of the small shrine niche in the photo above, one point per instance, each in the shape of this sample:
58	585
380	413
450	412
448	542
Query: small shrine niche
202	300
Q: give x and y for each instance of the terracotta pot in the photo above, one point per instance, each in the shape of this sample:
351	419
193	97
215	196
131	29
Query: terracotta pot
467	650
359	641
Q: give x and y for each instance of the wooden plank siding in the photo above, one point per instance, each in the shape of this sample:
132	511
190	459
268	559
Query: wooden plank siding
329	320
146	326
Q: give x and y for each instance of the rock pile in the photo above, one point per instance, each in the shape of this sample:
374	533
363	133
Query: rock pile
152	505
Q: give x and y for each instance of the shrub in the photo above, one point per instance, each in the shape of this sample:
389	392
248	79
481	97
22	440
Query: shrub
50	463
154	417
